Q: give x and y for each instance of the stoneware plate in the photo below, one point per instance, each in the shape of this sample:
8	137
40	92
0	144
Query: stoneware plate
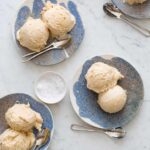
84	101
139	11
45	112
33	8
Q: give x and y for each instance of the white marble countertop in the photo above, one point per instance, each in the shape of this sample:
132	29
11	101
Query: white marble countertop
103	35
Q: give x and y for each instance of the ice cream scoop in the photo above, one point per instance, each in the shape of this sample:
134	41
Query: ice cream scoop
33	34
131	2
58	19
113	100
21	117
14	140
101	77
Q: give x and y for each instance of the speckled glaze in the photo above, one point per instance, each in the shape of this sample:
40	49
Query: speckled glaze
33	8
139	11
84	101
10	100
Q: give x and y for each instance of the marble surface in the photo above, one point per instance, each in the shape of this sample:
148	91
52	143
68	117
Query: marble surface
103	35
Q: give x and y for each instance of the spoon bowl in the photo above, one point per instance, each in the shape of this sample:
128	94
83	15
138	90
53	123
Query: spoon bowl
108	7
118	133
111	10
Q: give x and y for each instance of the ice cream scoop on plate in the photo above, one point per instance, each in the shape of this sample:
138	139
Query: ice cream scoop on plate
100	77
33	34
21	117
14	140
58	19
113	100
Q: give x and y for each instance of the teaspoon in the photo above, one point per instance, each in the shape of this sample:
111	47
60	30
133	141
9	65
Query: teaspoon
113	133
41	139
113	11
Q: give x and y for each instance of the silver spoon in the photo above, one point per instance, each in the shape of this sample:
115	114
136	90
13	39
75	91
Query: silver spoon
59	44
113	11
113	133
41	139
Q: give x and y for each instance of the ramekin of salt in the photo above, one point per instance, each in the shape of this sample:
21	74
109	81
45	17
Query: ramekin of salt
50	87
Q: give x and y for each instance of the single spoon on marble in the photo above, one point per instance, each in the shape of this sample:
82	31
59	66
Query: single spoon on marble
113	11
113	133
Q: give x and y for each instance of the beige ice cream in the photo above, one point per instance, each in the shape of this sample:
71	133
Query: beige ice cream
113	100
21	117
101	77
58	19
14	140
33	34
131	2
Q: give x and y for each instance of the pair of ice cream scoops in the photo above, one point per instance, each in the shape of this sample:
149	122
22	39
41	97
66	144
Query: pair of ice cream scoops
55	22
102	79
21	120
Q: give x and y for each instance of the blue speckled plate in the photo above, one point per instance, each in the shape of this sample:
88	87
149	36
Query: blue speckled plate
139	11
84	101
33	8
45	112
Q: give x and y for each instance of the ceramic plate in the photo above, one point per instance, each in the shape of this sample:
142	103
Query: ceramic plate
84	101
33	8
139	11
45	112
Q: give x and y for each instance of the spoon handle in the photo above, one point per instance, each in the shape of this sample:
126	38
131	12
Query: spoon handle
77	127
142	30
113	133
38	54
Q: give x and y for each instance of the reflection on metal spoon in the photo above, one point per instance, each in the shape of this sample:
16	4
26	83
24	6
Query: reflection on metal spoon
41	139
